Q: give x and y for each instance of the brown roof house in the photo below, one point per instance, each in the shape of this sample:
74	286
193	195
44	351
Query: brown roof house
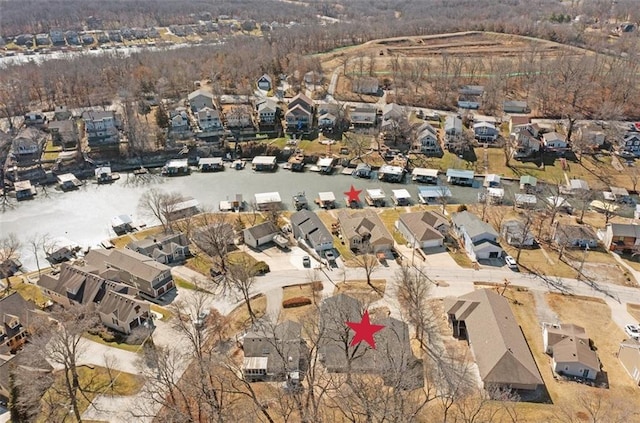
570	349
16	314
164	249
424	229
114	302
364	231
629	356
150	278
392	359
575	236
622	237
485	320
273	352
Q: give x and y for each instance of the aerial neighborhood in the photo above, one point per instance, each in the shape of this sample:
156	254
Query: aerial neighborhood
250	221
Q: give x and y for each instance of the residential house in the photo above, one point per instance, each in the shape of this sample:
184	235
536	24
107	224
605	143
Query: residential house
590	136
179	120
364	231
554	141
64	133
307	226
569	347
267	112
273	352
312	78
393	112
259	235
452	127
165	249
265	82
575	236
392	359
101	128
629	356
209	119
423	229
16	314
28	144
516	233
485	132
515	106
72	38
460	177
298	118
57	37
527	142
200	99
427	140
363	116
470	96
43	39
484	318
100	288
302	100
631	144
151	278
35	120
365	85
326	121
239	116
478	238
61	113
622	237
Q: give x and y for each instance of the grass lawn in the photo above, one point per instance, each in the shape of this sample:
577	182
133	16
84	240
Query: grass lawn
166	314
185	284
122	241
28	291
94	381
236	257
201	263
361	290
299	313
389	217
239	318
122	346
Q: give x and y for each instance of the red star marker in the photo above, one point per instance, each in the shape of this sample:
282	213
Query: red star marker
353	195
364	331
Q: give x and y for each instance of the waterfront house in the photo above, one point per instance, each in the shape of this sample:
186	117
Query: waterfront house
365	85
267	111
209	119
622	237
425	176
575	236
393	112
307	226
35	119
27	145
273	352
553	141
264	163
200	99
364	232
101	128
485	132
452	127
326	121
478	238
268	201
516	233
258	235
484	318
210	164
24	190
179	120
17	315
528	142
265	82
400	197
167	249
375	197
428	194
239	116
515	106
151	278
64	133
569	347
362	116
590	136
298	118
423	229
460	177
427	140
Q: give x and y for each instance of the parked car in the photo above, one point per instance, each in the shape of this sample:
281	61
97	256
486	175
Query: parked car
633	331
306	261
330	256
511	262
201	319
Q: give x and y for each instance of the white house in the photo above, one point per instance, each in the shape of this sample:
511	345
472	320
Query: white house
515	233
265	83
261	234
427	140
267	112
485	132
209	119
478	238
570	349
554	141
200	99
363	116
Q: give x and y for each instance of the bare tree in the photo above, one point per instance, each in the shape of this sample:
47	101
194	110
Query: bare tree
414	289
37	244
160	205
10	246
240	278
214	237
368	262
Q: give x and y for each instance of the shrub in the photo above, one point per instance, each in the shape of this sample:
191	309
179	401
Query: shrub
316	286
261	268
461	208
296	302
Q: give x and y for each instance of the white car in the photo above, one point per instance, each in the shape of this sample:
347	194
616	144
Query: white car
633	331
511	262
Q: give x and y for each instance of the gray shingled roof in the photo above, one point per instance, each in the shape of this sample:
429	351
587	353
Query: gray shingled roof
472	224
312	228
